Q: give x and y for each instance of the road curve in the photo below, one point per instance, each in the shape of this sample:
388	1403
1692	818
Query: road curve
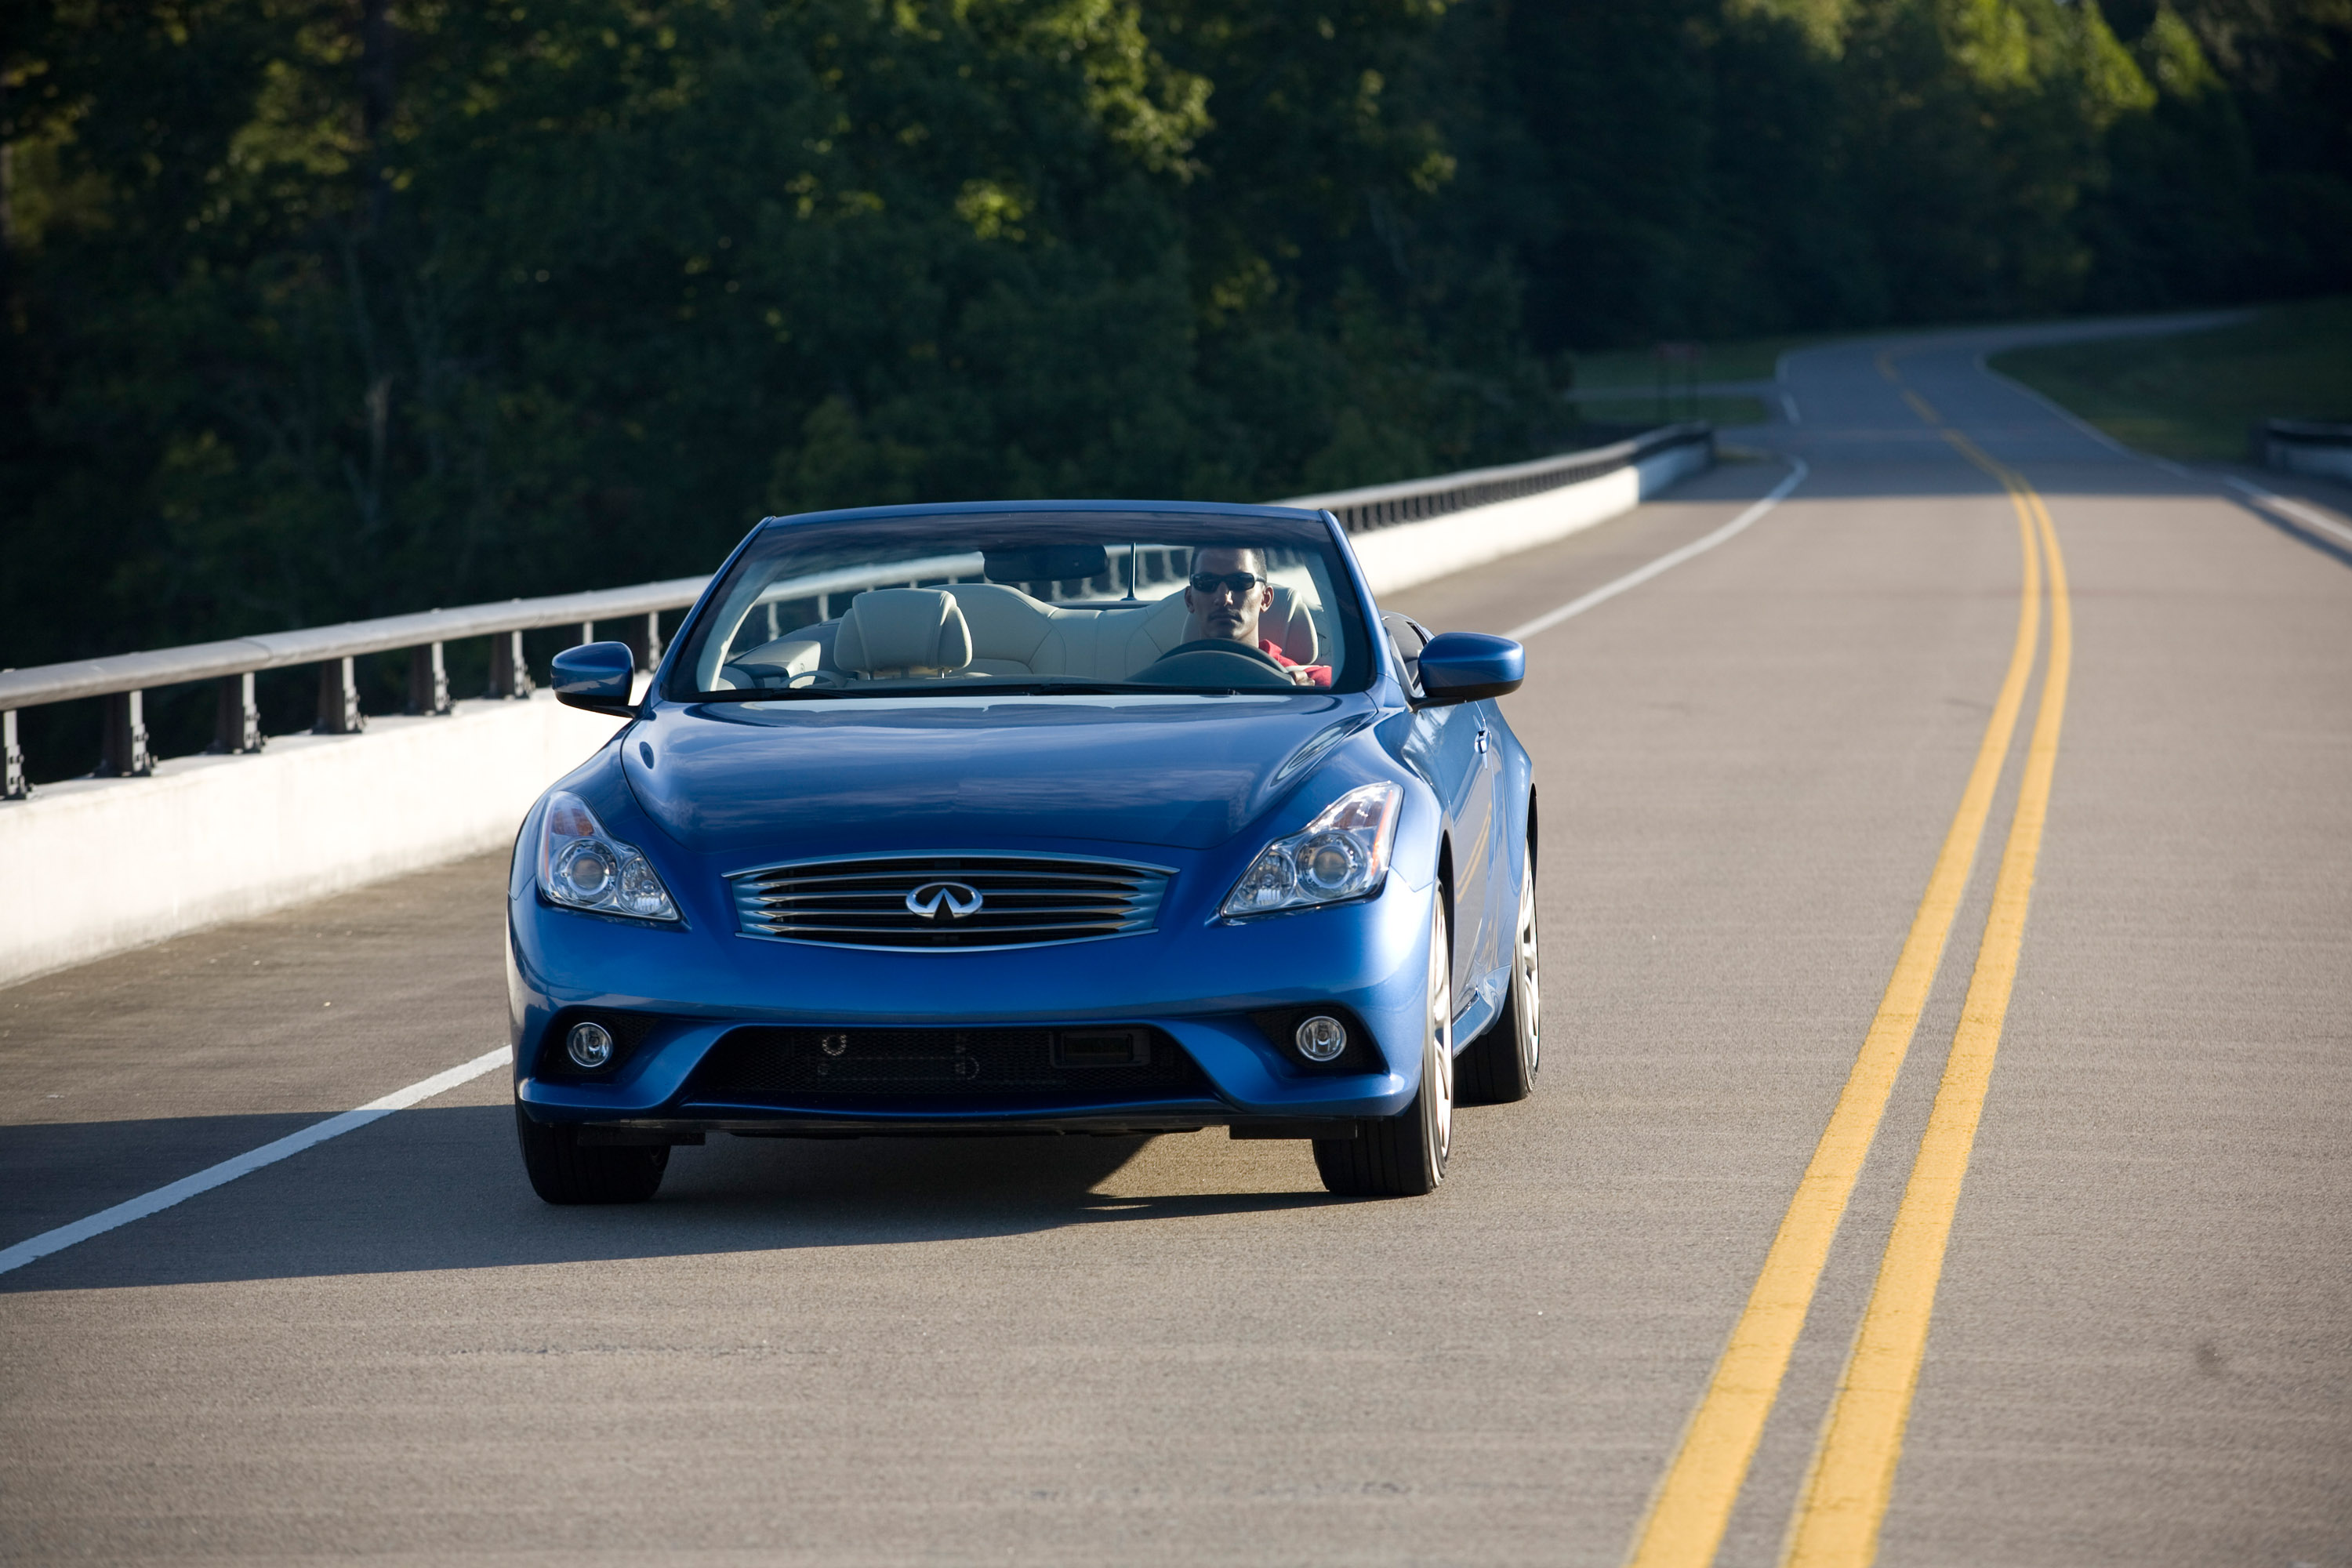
2130	1347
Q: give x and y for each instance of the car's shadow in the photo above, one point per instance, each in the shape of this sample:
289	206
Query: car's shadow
444	1188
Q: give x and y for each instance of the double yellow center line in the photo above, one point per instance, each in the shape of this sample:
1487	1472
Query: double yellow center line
1836	1521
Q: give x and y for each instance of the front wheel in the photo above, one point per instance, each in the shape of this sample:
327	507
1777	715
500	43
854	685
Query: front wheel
1499	1066
1403	1156
564	1171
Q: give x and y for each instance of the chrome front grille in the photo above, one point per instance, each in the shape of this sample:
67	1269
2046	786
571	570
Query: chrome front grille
948	900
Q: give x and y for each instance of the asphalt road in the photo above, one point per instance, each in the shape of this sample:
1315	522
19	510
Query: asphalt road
1179	1350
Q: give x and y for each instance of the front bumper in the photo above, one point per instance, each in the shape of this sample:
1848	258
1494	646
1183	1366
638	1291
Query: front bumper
1204	984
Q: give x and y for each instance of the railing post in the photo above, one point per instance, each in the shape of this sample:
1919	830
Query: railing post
428	680
13	783
643	639
236	718
510	673
587	633
123	751
339	700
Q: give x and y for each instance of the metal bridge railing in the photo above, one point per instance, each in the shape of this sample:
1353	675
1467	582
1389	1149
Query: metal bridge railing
1412	500
123	679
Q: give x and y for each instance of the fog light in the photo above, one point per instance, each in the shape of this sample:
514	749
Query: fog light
591	1046
1321	1038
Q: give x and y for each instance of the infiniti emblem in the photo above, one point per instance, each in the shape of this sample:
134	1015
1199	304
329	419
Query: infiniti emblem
953	899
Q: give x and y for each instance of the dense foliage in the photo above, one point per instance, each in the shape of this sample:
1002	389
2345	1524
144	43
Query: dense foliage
326	308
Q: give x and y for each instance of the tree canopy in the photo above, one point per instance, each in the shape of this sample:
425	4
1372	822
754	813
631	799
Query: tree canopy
317	308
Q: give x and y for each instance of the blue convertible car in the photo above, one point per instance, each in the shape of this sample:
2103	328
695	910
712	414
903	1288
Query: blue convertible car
1048	817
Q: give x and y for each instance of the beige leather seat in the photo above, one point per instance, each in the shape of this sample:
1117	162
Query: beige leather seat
894	632
1014	634
1004	632
1289	626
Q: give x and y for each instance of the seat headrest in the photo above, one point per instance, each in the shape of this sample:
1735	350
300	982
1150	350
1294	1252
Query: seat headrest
903	631
1287	623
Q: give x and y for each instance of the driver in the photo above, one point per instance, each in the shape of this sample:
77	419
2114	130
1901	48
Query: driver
1226	593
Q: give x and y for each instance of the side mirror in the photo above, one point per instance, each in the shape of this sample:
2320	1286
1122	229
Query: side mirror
596	675
1463	666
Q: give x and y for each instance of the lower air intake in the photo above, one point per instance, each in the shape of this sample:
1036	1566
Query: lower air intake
754	1065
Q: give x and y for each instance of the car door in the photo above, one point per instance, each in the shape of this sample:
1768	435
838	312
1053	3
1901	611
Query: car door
1454	746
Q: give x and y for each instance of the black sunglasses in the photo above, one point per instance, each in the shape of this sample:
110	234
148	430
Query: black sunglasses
1239	583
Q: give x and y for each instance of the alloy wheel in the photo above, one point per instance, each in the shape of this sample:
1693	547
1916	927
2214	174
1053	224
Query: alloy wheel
1527	962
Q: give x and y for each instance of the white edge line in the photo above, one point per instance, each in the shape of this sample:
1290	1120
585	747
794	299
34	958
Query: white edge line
1673	558
1789	406
2071	418
2079	423
2294	509
252	1159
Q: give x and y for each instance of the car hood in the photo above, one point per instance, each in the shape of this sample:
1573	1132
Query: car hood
789	779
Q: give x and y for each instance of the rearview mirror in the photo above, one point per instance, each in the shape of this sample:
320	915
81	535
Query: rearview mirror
596	675
1045	563
1463	666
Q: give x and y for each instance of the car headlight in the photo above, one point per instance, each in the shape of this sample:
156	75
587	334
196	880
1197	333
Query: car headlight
583	868
1342	854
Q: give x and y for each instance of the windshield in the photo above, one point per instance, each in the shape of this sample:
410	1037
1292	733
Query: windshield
1047	603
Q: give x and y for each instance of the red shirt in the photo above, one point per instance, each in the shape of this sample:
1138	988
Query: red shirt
1320	674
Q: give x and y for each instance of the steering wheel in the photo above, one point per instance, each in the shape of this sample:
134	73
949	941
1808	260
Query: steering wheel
1214	661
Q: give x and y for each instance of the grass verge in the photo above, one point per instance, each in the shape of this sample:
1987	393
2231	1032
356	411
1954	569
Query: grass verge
1649	411
2193	396
1741	359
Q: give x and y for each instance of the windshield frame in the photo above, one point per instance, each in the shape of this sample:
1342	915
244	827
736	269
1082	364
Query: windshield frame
1196	524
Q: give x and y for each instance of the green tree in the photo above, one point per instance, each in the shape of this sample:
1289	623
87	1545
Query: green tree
314	308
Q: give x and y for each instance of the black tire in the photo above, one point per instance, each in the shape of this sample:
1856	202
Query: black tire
564	1171
1500	1064
1403	1156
